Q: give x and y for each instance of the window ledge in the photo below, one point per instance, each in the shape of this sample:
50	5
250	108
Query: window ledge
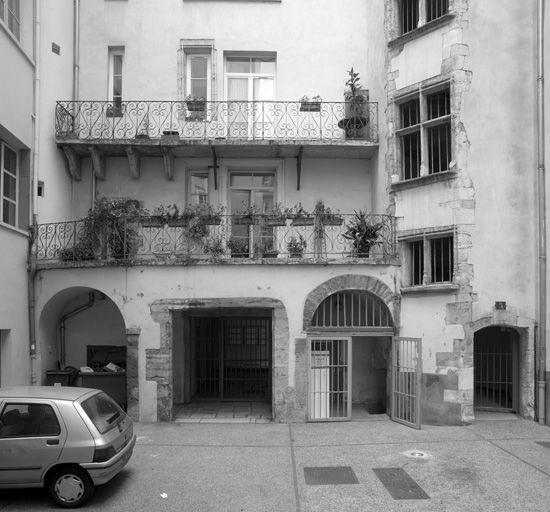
423	180
420	31
13	229
430	288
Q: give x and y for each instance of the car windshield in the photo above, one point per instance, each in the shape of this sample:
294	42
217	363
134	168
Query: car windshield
103	411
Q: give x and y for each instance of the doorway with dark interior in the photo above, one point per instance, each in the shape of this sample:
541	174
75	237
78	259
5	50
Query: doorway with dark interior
222	363
496	370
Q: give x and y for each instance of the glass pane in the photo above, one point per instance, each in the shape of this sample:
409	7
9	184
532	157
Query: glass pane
117	64
117	86
238	64
199	67
199	189
10	161
8	212
199	88
14	7
10	187
103	411
265	66
248	180
263	200
237	89
264	89
2	8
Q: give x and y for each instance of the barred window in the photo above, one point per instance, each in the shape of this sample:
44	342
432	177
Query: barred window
430	260
414	13
425	133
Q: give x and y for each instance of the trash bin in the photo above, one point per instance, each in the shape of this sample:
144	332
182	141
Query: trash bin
59	377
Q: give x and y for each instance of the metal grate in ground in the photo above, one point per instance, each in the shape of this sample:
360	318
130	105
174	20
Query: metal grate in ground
223	412
330	475
399	484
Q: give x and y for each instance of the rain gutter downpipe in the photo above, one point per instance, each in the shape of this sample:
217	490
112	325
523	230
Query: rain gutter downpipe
64	318
31	267
541	185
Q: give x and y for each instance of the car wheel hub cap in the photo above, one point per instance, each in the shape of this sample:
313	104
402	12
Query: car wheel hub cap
69	488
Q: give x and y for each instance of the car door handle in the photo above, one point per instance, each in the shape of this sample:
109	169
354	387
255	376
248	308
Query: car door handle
52	442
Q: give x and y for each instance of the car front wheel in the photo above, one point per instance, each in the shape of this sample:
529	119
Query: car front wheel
70	487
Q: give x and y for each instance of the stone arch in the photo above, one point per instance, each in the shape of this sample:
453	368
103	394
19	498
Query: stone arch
525	327
351	282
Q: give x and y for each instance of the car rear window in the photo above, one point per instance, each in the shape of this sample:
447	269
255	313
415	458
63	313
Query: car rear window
104	412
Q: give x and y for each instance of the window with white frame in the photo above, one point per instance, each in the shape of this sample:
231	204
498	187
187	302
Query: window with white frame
430	259
116	60
9	167
198	75
424	132
415	13
250	78
10	14
198	187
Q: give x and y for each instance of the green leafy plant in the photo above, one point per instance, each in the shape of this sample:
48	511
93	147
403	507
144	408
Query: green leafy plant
363	233
238	247
296	245
214	246
353	82
326	215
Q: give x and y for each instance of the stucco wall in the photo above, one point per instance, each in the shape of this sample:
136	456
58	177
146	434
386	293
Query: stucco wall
135	289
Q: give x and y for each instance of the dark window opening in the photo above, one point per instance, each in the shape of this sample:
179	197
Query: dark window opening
411	155
417	262
439	148
410	113
409	15
436	8
442	259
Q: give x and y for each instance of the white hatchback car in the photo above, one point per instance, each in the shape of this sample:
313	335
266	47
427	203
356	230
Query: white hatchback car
66	439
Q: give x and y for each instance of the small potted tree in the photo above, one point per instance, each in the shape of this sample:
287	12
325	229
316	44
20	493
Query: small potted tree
296	246
356	108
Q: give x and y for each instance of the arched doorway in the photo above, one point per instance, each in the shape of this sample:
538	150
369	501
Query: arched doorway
496	369
81	331
349	340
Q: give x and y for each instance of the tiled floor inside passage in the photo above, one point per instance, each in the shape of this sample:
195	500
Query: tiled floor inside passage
223	412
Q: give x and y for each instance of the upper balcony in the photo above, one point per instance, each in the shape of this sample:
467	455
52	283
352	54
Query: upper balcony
227	129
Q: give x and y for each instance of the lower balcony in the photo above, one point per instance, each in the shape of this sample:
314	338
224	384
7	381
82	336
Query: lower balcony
225	239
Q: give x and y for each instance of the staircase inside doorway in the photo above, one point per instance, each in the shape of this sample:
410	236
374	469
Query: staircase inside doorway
223	412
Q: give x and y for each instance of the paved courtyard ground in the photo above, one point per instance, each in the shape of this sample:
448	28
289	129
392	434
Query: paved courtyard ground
494	465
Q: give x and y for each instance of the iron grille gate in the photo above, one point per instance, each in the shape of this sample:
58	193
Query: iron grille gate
406	375
329	379
495	374
232	358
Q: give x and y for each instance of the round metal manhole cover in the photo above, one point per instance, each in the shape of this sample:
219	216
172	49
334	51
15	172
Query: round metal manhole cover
417	454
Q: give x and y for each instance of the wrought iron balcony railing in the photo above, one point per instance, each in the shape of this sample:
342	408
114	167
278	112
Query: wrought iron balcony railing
209	120
135	240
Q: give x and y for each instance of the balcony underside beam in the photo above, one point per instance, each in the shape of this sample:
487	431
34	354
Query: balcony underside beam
98	162
73	162
134	162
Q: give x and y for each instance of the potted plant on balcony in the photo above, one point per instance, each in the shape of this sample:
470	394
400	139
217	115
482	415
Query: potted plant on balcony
195	103
264	248
296	246
238	247
363	233
308	104
214	246
326	216
299	216
276	216
356	108
247	215
205	213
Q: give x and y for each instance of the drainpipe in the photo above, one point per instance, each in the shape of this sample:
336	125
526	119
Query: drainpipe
76	48
541	184
64	318
31	297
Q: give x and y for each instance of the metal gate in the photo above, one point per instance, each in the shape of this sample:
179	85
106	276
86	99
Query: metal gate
329	396
495	371
406	380
232	358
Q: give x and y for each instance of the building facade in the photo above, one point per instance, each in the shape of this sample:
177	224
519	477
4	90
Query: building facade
320	220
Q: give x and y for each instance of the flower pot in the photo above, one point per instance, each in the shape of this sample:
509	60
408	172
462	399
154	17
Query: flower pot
332	220
244	220
274	221
303	220
178	222
310	106
151	222
196	105
210	220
